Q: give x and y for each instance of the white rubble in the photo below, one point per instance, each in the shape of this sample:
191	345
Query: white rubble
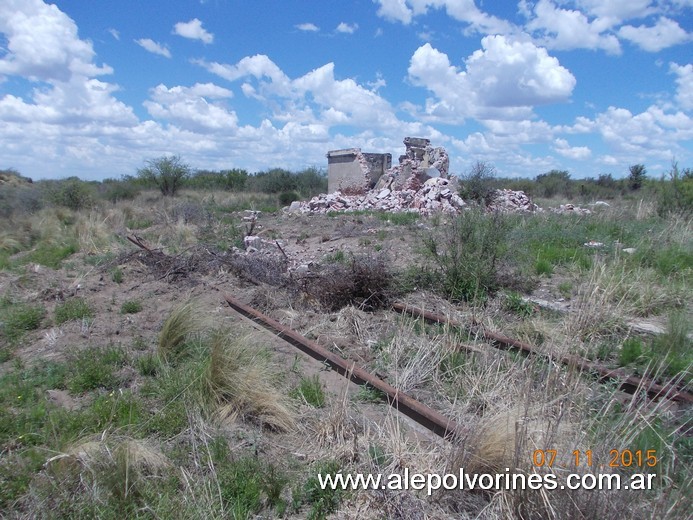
434	195
509	201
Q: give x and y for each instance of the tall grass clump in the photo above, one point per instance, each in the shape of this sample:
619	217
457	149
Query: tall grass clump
240	381
184	324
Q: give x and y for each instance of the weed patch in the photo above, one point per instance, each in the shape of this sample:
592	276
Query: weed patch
130	307
311	391
72	309
95	368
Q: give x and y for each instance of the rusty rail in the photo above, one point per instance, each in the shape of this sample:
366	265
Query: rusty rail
419	412
628	382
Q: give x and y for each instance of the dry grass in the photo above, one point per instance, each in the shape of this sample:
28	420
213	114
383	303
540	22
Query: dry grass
185	323
108	465
241	381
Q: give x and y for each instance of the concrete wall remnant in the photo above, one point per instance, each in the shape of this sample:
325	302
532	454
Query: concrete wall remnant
351	170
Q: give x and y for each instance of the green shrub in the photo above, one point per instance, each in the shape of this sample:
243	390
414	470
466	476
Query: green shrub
125	189
675	193
469	256
72	309
479	183
287	197
73	194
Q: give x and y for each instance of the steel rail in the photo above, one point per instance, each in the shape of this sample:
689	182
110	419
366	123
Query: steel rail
419	412
628	382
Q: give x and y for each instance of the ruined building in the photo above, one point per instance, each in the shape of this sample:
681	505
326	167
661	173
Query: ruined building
352	171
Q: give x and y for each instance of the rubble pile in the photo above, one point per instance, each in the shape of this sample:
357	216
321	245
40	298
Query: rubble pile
509	201
570	209
435	195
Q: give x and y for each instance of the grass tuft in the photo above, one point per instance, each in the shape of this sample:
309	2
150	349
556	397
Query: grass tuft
72	309
239	380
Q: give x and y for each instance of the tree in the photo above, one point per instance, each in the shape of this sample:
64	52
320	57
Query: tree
167	173
555	182
637	176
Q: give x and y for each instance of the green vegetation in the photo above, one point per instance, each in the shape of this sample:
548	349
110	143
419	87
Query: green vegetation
117	275
93	368
514	303
167	173
310	390
195	419
18	318
469	258
72	309
130	307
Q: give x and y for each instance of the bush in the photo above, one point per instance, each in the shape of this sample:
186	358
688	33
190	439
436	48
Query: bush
363	281
167	173
287	197
468	257
675	194
311	182
479	184
555	182
124	189
274	181
72	194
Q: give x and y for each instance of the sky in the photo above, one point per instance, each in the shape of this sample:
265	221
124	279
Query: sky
95	88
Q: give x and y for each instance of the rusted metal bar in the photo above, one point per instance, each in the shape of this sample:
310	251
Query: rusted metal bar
419	412
628	383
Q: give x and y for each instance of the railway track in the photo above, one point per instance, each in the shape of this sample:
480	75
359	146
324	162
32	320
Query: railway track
627	382
425	415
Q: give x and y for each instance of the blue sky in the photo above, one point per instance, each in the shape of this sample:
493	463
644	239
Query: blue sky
95	88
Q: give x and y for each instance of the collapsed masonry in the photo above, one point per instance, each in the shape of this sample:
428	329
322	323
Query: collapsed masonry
361	181
420	183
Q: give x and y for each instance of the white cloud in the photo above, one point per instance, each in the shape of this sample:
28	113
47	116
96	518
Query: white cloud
344	27
571	29
665	33
114	33
503	80
309	27
260	67
461	10
395	10
193	107
42	43
618	10
652	133
193	30
579	153
684	84
153	47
